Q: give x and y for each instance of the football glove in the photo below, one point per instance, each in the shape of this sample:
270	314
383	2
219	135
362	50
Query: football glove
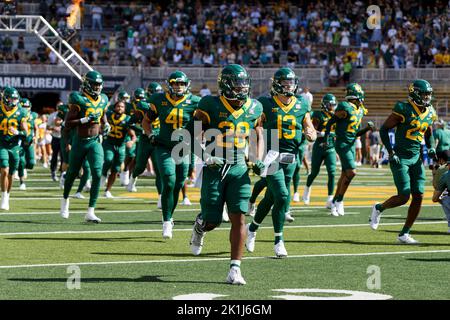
370	124
394	159
106	129
258	167
214	162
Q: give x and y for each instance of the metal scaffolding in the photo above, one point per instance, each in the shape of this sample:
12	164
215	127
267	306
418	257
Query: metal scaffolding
50	37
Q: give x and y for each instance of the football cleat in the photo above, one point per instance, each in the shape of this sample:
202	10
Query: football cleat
108	195
407	239
307	195
296	197
333	210
91	217
197	237
64	208
288	217
167	229
5	201
78	195
375	217
22	187
186	202
280	250
340	207
251	239
235	276
131	187
87	187
329	202
251	209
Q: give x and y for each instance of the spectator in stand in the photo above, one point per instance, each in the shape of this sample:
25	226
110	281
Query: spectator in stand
97	16
204	91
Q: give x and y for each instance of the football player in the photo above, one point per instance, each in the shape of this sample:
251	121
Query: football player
175	109
114	144
412	120
13	128
27	160
287	116
225	178
347	118
321	153
87	114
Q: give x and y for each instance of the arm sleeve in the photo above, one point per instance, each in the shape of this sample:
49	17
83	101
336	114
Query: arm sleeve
384	135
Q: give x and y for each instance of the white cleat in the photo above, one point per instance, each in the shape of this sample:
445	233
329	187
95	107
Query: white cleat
91	217
159	204
251	239
197	237
61	180
23	187
167	229
78	195
306	195
131	187
329	202
251	209
5	201
108	195
280	250
288	217
121	177
64	208
296	197
333	210
186	202
126	178
340	207
375	217
235	276
87	187
103	182
407	239
225	217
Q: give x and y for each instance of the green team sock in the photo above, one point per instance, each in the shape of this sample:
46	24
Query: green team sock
379	207
338	198
253	226
404	230
278	237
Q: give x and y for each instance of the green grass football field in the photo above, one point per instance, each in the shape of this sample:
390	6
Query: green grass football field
125	257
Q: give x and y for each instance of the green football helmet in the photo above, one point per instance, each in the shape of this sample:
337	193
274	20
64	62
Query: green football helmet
92	83
234	82
421	92
178	77
25	103
123	96
284	82
154	87
329	102
354	92
10	97
139	94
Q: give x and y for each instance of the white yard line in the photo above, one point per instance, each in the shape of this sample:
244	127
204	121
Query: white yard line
219	259
190	229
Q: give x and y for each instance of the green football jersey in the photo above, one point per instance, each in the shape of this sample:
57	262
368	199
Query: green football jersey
87	106
173	115
234	125
136	110
286	121
322	117
11	119
443	136
31	118
411	130
119	127
347	128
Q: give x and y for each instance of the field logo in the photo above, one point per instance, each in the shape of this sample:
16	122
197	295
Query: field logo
374	279
73	282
